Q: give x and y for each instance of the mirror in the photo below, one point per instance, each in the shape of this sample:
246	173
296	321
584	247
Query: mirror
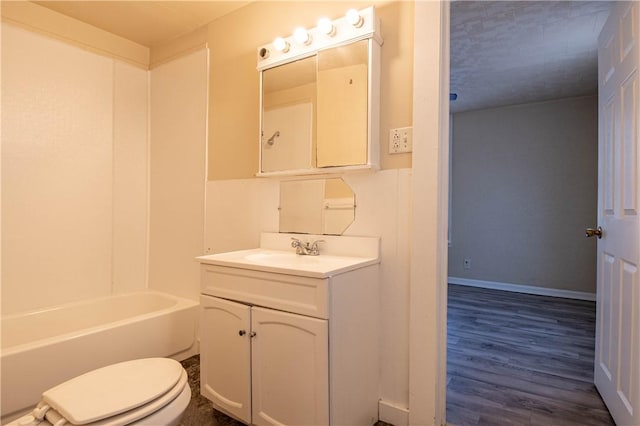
288	116
315	111
319	206
342	105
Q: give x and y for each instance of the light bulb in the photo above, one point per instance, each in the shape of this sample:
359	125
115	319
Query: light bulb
301	36
353	17
281	44
326	26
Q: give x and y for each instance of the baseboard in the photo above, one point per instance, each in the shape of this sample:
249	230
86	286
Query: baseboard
529	289
393	413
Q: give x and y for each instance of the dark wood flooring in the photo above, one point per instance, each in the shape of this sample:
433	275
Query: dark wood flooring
519	359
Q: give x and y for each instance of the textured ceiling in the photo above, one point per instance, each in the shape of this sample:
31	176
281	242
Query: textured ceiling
149	23
513	52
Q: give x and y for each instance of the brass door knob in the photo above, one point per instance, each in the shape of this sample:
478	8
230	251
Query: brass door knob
590	232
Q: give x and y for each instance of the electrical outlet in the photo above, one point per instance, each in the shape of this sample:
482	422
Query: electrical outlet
400	140
467	264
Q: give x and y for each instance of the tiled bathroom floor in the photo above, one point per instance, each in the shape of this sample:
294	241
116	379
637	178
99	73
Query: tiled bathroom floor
200	412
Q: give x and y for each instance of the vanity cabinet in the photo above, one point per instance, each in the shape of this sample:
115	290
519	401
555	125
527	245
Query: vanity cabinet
264	366
283	349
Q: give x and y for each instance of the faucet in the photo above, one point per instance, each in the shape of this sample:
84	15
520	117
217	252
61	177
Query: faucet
307	248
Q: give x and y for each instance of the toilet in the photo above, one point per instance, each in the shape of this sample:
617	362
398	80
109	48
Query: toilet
151	391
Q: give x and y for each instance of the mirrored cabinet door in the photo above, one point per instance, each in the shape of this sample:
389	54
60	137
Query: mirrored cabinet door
343	93
288	116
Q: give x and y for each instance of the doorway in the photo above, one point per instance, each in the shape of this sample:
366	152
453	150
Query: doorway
524	185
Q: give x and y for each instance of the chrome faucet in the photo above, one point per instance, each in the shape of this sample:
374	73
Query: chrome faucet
307	248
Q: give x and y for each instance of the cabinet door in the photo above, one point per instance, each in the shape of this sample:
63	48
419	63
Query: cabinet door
290	369
225	356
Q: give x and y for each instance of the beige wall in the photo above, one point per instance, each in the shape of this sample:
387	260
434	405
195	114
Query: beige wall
74	140
524	189
234	81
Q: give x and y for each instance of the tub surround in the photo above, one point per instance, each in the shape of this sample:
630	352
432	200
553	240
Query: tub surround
79	165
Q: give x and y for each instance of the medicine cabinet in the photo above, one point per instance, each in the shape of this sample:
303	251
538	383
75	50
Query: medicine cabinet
319	100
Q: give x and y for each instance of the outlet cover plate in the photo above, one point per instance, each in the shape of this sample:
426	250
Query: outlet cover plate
400	140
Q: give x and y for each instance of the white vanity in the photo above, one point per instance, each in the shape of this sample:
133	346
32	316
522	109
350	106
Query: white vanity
289	339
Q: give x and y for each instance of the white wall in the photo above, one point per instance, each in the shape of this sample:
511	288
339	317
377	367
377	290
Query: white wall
130	177
70	164
178	173
524	188
238	210
383	209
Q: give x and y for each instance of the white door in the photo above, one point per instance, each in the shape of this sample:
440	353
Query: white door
290	368
225	356
617	361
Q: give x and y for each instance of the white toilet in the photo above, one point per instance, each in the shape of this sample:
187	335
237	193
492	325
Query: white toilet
151	391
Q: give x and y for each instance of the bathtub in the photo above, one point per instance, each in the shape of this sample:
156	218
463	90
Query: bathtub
42	348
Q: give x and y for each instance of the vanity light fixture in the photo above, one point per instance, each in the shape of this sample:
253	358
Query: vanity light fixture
326	27
281	45
263	53
355	25
354	18
301	36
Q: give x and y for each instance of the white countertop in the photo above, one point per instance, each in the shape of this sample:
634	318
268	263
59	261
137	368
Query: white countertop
288	262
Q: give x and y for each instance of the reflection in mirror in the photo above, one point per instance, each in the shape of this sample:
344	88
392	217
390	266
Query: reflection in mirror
318	206
342	105
288	116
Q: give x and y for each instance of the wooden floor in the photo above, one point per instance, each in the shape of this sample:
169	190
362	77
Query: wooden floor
518	359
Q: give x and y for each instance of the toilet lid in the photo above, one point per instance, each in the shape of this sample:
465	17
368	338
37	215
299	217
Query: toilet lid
114	389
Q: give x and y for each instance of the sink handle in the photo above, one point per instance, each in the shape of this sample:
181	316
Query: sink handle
315	250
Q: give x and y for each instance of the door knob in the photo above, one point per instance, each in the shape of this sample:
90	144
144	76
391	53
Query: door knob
590	232
242	332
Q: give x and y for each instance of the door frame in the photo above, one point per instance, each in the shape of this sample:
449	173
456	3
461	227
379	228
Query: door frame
429	216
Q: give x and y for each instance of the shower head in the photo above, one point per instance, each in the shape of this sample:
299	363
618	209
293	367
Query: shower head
272	139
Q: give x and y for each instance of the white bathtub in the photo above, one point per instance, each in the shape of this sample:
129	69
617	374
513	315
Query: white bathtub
43	348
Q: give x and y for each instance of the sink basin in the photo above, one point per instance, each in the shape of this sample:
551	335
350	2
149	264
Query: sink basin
288	262
284	258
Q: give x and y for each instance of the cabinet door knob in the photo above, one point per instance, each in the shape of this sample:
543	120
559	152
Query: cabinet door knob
242	332
252	334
